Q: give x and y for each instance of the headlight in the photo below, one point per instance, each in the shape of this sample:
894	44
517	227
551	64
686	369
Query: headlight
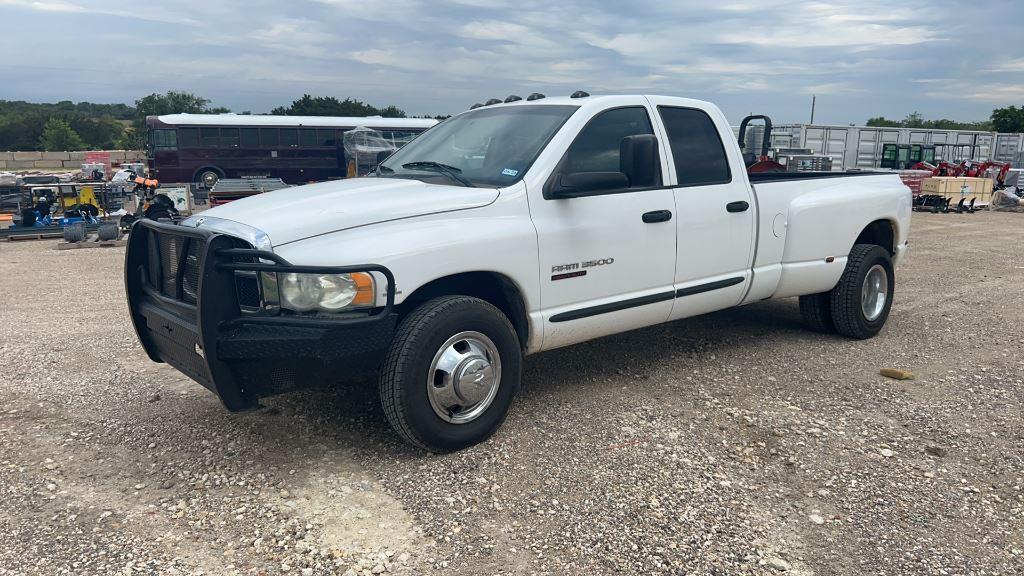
327	292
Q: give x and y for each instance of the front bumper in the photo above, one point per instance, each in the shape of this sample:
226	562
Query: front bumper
186	307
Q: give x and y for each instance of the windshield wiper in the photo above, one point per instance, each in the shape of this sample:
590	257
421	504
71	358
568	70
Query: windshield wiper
449	171
381	169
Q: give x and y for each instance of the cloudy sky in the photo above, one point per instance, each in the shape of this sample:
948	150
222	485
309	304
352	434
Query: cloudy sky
861	58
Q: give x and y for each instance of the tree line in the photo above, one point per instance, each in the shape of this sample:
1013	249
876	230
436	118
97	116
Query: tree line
27	126
80	126
1008	120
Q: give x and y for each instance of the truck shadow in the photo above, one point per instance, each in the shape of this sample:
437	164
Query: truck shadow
350	414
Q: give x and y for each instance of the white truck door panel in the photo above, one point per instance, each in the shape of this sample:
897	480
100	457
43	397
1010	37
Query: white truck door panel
603	269
715	210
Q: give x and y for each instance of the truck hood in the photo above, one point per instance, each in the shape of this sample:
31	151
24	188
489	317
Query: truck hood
292	214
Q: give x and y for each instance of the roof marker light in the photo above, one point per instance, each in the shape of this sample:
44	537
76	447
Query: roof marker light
513	98
534	96
492	101
579	94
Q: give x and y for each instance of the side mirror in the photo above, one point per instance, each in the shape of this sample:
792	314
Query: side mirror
587	183
638	160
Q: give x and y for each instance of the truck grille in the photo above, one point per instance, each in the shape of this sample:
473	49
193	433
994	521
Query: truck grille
174	264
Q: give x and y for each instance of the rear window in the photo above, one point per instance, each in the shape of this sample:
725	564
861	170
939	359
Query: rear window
696	147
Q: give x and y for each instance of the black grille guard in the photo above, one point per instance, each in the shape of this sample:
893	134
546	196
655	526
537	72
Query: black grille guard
185	335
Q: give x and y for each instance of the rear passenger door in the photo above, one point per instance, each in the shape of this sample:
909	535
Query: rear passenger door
714	207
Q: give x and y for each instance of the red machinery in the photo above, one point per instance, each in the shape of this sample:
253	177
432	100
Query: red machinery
974	169
754	162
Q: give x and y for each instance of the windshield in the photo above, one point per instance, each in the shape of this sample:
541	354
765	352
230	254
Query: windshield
487	147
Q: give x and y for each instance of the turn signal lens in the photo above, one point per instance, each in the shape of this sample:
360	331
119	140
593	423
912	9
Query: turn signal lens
365	292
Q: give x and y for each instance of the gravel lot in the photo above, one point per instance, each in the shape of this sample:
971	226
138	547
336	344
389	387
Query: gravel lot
735	443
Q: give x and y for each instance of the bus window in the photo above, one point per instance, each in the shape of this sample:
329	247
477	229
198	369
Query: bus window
165	140
250	137
326	138
289	137
268	137
209	137
188	137
307	138
229	137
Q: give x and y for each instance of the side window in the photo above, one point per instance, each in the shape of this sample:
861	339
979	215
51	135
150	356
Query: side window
165	140
188	137
229	137
696	147
289	137
326	137
307	138
268	137
209	137
250	137
596	148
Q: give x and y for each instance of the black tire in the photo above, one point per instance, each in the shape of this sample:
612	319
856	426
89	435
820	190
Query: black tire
847	312
208	177
74	232
108	231
405	375
816	310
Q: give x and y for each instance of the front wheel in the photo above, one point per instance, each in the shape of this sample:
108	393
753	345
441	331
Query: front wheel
862	299
451	373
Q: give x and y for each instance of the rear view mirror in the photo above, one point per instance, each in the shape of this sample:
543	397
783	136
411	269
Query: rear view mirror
638	160
587	183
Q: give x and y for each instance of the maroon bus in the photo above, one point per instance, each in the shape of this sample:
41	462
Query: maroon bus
203	148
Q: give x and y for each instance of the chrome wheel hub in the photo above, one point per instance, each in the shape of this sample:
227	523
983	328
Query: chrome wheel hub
464	377
874	293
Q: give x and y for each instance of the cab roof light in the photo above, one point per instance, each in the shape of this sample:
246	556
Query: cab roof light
579	94
475	106
492	101
513	98
534	96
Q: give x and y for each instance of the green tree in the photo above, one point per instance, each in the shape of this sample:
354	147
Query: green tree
59	136
883	121
1009	119
331	106
171	102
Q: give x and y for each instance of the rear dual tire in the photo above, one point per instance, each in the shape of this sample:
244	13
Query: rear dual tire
451	373
858	306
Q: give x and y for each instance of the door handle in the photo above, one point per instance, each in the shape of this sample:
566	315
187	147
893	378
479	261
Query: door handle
657	216
740	206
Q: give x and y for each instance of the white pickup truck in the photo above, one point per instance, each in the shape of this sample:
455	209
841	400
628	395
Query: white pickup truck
506	230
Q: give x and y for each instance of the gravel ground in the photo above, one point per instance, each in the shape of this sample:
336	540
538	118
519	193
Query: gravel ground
735	443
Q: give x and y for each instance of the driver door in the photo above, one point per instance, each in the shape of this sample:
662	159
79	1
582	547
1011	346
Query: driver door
607	259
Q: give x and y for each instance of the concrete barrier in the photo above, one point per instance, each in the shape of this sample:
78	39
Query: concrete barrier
56	156
28	156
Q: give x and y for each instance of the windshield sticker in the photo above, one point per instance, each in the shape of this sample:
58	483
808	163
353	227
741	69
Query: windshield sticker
509	172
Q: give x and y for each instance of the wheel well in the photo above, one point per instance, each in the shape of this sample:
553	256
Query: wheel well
879	233
497	289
